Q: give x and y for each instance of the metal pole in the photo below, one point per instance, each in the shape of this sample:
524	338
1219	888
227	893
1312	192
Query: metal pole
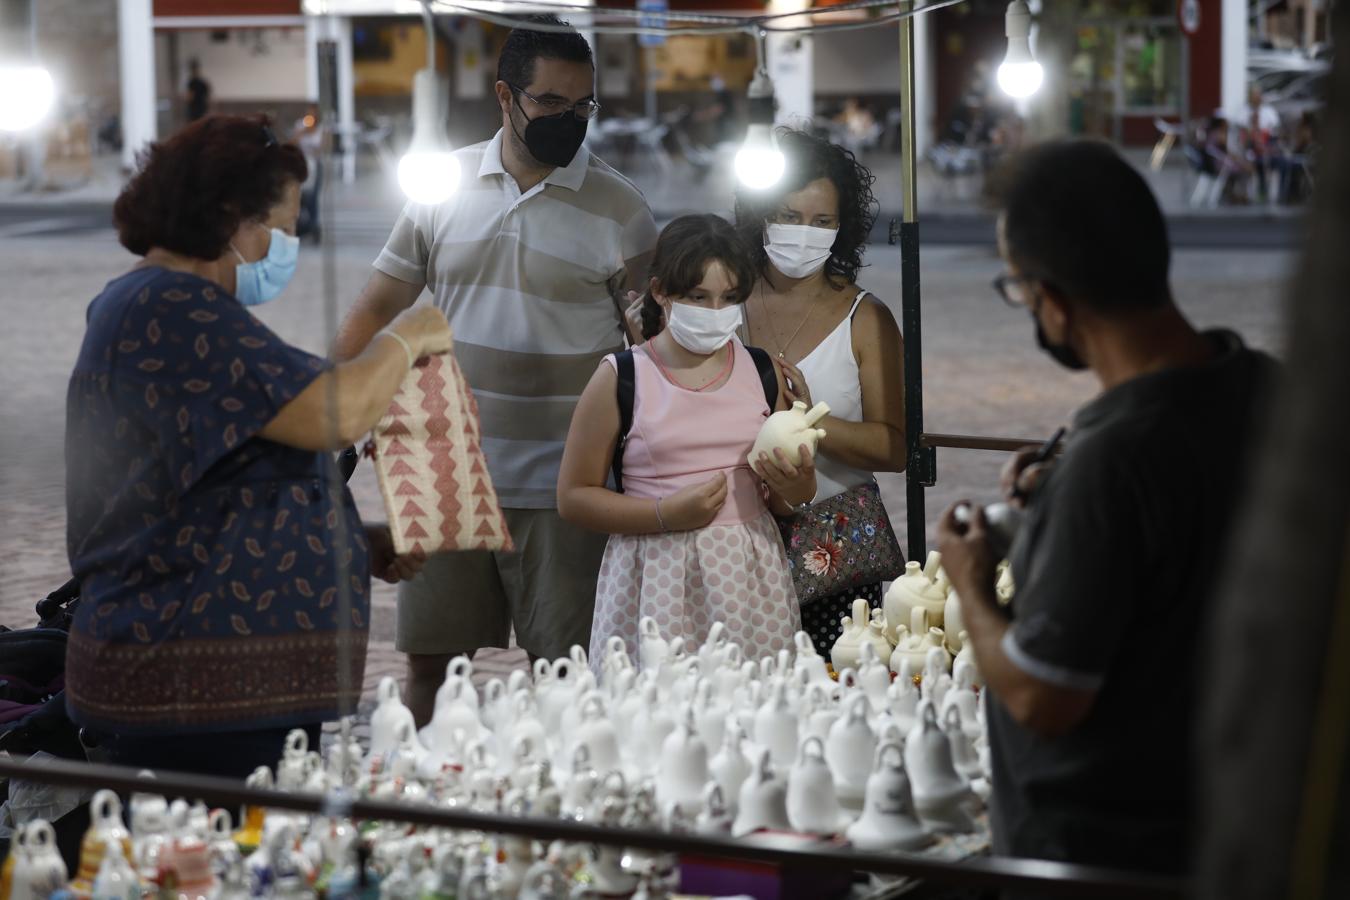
919	471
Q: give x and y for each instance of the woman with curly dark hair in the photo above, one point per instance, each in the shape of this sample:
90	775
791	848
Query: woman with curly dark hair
835	343
210	543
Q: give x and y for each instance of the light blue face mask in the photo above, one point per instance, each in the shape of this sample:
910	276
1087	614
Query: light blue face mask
259	282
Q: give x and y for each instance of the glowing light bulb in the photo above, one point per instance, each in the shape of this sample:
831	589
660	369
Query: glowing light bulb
429	172
1019	75
26	95
759	162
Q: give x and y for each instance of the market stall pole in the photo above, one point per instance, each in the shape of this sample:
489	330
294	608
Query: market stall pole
1049	879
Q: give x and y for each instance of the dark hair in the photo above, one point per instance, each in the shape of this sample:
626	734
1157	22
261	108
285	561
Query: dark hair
1083	219
524	45
192	191
683	251
810	158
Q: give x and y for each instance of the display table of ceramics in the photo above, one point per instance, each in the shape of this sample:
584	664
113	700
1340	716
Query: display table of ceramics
668	736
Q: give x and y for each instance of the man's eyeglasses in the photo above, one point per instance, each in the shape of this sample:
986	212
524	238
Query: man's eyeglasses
1015	290
556	106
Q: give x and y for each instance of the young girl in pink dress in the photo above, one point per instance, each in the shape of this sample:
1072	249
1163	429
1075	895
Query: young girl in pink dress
693	540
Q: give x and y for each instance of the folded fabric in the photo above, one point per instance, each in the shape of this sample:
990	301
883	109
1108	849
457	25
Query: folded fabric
430	464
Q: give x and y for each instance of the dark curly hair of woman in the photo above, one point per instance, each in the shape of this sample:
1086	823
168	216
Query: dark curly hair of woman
808	159
193	190
683	251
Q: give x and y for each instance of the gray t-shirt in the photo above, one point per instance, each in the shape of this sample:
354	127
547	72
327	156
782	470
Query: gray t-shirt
1114	566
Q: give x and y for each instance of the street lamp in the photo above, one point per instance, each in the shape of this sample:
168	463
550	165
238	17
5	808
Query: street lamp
1020	75
429	172
26	95
759	162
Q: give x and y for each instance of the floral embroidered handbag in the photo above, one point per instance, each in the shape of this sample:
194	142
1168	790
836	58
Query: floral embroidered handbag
840	544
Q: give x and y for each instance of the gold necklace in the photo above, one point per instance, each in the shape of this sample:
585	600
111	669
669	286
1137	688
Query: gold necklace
782	347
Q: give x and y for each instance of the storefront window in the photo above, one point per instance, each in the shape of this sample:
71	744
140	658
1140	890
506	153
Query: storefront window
1151	69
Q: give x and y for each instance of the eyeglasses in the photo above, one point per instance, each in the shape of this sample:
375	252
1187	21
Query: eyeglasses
1015	290
555	106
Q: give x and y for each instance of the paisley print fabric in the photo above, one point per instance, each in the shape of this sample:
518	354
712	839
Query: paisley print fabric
213	563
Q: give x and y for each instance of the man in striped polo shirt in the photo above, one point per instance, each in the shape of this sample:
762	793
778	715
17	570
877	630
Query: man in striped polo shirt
524	261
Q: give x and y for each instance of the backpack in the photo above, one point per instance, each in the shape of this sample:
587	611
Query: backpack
627	388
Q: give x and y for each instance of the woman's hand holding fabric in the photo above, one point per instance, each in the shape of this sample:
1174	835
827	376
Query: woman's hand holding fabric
695	506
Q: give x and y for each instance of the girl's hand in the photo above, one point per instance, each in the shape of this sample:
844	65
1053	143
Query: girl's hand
797	388
693	507
794	484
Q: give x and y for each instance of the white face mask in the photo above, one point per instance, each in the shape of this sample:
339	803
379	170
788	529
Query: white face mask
700	329
798	250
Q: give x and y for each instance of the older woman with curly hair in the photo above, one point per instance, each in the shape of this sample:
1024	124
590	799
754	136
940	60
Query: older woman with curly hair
212	543
835	343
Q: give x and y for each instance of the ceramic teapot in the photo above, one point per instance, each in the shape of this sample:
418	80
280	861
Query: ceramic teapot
38	870
729	767
812	804
849	750
389	714
776	725
847	649
888	821
684	767
941	795
763	800
789	430
105	827
953	625
913	590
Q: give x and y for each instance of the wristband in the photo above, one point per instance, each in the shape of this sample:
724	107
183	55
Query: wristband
659	519
407	348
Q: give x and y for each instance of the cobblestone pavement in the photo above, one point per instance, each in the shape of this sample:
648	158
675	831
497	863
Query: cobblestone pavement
983	375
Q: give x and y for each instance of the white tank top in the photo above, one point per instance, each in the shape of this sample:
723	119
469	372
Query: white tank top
831	372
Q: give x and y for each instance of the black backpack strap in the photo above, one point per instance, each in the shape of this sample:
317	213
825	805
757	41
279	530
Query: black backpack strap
623	363
768	375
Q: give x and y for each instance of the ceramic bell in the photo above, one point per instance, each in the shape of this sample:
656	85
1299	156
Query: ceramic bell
809	664
913	590
716	817
653	648
888	821
653	725
294	766
902	698
776	726
763	800
874	676
115	879
962	696
964	756
849	750
953	625
789	430
729	767
967	657
936	680
915	640
820	710
710	714
596	733
38	869
683	772
812	804
389	714
455	719
105	827
941	795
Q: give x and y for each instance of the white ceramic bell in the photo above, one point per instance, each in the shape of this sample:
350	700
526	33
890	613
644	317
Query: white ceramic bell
849	750
711	713
776	726
888	821
683	772
967	657
962	697
596	733
847	648
1004	588
936	681
389	714
812	804
819	710
653	648
763	800
789	429
729	767
455	719
902	699
914	590
716	817
964	756
808	660
874	676
650	730
941	795
953	624
38	870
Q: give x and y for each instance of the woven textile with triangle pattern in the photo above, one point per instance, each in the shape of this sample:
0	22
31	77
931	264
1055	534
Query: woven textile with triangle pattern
430	464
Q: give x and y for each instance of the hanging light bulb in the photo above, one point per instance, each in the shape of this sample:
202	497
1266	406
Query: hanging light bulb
759	162
26	95
429	172
1020	75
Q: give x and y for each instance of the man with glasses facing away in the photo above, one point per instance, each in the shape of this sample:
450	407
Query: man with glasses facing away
525	261
1091	672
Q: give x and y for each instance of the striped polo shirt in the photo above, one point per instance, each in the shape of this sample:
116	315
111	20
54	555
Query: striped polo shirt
525	281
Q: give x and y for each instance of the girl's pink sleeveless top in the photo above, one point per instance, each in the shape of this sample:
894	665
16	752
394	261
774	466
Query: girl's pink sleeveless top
681	437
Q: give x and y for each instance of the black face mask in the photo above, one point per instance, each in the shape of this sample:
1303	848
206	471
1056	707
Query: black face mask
552	140
1063	354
